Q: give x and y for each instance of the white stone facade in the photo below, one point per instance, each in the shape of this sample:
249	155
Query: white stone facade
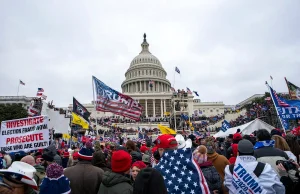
25	101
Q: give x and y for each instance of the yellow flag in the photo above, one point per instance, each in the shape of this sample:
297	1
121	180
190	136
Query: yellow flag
66	136
74	139
166	130
79	121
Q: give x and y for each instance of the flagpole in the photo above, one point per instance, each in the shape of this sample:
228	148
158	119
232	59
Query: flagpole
174	80
18	88
275	106
94	103
271	78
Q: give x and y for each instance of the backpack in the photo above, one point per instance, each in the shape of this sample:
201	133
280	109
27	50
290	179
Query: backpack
257	171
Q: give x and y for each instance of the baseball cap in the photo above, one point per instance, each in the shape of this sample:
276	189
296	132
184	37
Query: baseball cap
166	141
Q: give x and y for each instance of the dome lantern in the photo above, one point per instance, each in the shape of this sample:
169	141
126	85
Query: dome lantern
145	45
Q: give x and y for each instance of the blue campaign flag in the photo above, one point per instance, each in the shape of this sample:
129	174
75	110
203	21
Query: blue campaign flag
287	109
225	126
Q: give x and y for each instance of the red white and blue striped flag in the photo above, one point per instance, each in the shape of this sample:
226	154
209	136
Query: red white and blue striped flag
181	173
110	100
189	91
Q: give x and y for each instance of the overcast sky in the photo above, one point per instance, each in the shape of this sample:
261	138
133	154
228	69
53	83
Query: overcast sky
225	50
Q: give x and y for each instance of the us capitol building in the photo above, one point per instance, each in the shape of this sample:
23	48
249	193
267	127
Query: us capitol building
155	97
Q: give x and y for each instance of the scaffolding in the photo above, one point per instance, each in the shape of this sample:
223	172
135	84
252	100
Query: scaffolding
179	106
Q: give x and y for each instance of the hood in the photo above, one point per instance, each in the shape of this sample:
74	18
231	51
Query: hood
111	179
212	157
206	164
39	168
99	159
51	149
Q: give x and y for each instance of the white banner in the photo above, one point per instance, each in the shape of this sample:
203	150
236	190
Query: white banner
30	133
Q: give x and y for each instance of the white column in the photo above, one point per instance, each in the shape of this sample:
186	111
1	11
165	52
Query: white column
161	108
144	86
165	110
136	86
140	86
146	108
153	107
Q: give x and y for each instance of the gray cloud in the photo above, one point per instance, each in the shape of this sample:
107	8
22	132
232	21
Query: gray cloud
225	50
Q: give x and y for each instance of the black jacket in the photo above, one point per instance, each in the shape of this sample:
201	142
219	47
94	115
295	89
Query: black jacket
270	155
115	183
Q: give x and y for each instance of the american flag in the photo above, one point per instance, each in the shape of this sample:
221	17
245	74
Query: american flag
40	90
279	100
188	90
110	100
151	83
22	83
181	173
172	89
197	134
177	70
141	139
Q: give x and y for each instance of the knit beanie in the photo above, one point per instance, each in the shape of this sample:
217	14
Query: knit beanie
86	153
200	154
139	164
120	161
55	181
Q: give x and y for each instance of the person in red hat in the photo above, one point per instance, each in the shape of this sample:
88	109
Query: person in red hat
233	149
144	149
65	158
165	142
136	168
118	181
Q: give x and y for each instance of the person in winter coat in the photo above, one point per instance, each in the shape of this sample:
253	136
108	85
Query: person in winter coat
291	140
99	161
55	181
84	177
264	150
118	180
51	150
251	175
65	159
218	161
232	150
149	181
209	171
281	144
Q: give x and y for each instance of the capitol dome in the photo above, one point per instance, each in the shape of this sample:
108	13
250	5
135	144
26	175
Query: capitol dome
145	74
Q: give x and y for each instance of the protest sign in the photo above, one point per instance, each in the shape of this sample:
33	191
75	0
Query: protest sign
30	133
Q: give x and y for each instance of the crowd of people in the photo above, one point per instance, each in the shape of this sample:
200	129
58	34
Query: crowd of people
263	162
